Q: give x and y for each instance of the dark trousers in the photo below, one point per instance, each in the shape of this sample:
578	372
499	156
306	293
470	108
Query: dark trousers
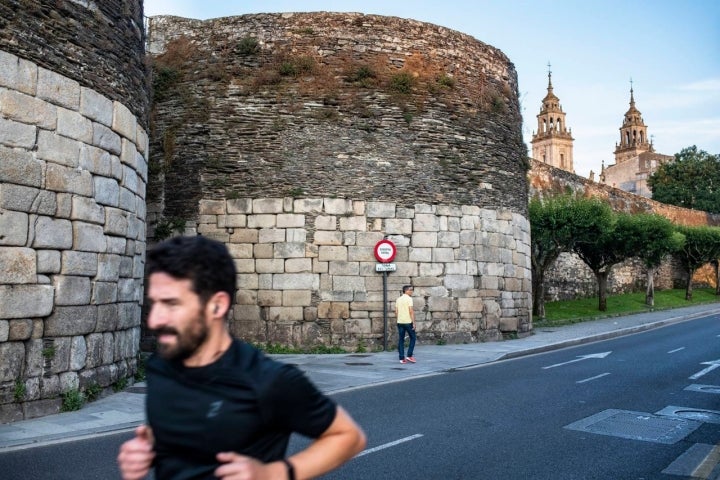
404	328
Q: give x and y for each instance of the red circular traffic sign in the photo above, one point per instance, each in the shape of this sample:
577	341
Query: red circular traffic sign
385	251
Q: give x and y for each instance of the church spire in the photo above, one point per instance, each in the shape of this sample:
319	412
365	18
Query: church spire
553	142
633	133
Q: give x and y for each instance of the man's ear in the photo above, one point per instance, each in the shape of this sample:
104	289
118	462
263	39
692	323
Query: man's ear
218	305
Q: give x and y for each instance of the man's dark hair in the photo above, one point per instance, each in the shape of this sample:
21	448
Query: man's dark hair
406	288
205	262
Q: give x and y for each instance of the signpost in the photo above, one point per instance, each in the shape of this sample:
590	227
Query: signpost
385	252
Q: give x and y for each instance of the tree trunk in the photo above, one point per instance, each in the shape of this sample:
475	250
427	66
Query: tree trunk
688	287
602	289
717	276
650	292
538	288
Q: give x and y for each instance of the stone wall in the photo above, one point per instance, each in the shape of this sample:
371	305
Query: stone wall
73	170
306	269
570	278
345	128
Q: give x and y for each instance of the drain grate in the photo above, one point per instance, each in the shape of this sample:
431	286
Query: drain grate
641	426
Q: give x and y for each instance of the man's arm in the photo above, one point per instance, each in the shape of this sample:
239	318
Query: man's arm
342	440
136	455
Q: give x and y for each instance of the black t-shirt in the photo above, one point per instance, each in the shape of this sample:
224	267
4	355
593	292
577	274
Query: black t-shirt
244	402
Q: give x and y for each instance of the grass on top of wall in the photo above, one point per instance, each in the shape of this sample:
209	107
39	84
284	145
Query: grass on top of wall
566	312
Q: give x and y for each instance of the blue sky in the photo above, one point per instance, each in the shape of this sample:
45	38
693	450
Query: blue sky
670	49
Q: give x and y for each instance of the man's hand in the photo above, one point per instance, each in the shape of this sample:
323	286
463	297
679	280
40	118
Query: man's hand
136	455
239	467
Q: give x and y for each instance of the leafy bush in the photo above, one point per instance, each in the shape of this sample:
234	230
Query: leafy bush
72	400
402	83
247	46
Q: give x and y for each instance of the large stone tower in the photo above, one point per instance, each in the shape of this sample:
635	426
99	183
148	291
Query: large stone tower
302	139
73	169
553	142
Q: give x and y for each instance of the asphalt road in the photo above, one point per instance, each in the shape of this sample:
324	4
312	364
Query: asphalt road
589	412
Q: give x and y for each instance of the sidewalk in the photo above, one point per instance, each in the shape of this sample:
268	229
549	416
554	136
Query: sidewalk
337	373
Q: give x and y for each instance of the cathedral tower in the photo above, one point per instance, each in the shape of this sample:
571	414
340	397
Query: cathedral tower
633	135
553	142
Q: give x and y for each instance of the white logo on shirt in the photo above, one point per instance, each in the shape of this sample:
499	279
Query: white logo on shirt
214	409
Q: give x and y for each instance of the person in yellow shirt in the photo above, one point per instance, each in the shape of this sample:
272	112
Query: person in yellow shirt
405	316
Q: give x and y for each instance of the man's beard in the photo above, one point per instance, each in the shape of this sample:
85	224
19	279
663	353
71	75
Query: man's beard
187	343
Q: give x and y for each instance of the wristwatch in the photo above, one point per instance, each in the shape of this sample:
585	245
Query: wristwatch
290	469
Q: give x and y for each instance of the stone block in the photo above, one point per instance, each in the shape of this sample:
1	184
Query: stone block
380	209
97	161
19	265
78	353
308	205
20	329
71	290
58	149
333	310
270	265
235	221
343	268
449	239
130	179
128	315
298	265
271	235
117	222
326	222
295	281
20	198
290	220
239	206
24	301
459	282
398	226
12	412
288	250
296	235
14	227
73	125
18	74
348	284
128	200
267	205
94	348
129	157
424	239
104	292
20	167
84	208
323	237
443	255
285	314
338	206
212	207
41	408
107	191
329	253
265	221
106	139
71	320
96	106
57	89
107	318
13	359
4	330
296	298
16	134
28	110
88	237
60	178
124	121
353	223
79	263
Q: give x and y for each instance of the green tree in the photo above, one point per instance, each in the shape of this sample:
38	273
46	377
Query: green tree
702	245
551	233
691	180
651	238
600	243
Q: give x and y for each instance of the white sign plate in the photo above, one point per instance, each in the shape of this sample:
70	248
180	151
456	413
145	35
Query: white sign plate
385	267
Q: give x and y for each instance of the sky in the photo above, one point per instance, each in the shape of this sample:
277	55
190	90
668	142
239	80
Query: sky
669	49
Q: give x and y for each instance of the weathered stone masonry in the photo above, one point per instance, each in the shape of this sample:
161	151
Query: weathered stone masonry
300	164
307	271
73	173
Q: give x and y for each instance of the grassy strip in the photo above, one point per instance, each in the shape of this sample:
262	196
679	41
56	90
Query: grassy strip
566	312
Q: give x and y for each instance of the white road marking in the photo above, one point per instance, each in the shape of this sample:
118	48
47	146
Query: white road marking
579	359
677	350
711	366
388	445
594	378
